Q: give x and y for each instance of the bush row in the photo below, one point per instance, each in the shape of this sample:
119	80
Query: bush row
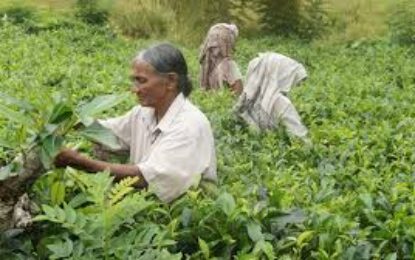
186	21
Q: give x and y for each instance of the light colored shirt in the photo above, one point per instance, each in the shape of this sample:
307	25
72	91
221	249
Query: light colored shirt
174	154
262	102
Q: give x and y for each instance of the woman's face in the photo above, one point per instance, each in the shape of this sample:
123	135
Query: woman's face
149	85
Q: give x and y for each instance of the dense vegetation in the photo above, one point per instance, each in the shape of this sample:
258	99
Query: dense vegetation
187	20
348	196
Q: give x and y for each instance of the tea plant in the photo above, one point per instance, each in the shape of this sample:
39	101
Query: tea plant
44	130
349	196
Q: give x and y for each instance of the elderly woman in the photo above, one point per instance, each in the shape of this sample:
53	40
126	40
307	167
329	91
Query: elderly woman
263	102
170	140
217	65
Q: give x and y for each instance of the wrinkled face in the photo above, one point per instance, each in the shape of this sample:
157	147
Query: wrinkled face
150	86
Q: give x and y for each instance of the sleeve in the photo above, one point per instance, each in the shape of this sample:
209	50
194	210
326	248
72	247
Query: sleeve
232	72
177	163
121	127
289	117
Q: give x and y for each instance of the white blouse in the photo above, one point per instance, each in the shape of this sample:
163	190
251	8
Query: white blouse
172	155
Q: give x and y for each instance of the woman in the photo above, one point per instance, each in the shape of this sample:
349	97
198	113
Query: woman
217	65
263	102
170	141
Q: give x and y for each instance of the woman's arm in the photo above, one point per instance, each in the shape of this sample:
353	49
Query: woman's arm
237	87
68	157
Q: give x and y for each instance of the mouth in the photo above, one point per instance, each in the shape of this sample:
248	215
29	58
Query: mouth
141	99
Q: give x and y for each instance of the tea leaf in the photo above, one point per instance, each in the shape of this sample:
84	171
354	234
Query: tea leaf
97	133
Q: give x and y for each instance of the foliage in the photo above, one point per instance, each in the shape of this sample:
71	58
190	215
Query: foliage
355	20
303	18
90	12
106	220
143	18
349	196
281	16
193	18
184	21
44	127
97	221
402	23
334	20
34	19
314	19
17	14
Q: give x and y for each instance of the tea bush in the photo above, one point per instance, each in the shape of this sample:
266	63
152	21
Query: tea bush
17	14
89	11
348	196
185	21
143	18
305	19
402	23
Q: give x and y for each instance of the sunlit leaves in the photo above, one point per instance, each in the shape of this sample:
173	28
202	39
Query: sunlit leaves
97	133
15	116
227	203
61	249
204	248
254	231
349	196
57	192
60	112
99	104
12	101
49	148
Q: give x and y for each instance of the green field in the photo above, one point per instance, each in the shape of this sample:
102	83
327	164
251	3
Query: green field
349	20
350	195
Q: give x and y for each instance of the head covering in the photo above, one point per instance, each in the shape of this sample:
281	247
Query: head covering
218	45
262	102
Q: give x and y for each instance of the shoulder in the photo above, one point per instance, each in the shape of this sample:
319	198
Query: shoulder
139	112
191	114
228	64
192	120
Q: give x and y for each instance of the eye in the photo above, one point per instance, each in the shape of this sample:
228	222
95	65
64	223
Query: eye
138	79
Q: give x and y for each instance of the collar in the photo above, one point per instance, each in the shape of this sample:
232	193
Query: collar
171	113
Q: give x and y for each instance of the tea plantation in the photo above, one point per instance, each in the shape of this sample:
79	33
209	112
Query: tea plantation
349	195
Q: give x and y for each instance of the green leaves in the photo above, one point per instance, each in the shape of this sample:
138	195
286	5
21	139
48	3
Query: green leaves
186	217
121	189
11	101
61	249
350	196
97	133
254	231
204	248
227	203
6	143
304	238
60	119
49	148
14	116
102	210
60	112
99	104
265	248
57	192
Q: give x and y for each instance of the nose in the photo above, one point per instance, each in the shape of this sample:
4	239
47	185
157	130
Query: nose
135	89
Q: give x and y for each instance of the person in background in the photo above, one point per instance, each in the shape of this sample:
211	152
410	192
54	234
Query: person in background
169	140
218	67
262	102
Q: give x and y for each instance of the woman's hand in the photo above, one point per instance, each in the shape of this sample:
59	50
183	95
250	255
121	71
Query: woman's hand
69	157
66	157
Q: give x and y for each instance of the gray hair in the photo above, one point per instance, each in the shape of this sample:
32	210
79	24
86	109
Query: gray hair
165	58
